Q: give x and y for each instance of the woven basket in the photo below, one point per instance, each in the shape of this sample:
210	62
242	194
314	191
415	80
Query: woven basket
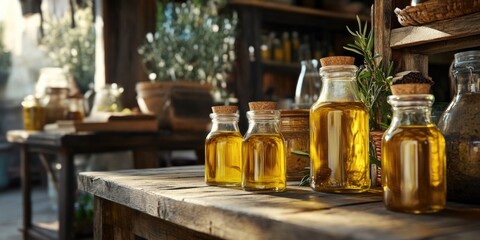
435	10
375	170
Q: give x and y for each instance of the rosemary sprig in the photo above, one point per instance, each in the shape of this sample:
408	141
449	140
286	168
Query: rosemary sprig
373	82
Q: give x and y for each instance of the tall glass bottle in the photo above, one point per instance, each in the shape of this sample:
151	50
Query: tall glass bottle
263	150
223	148
339	134
461	128
308	85
413	157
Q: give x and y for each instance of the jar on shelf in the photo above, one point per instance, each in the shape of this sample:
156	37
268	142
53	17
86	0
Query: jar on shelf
55	104
308	85
263	150
339	133
33	113
295	130
460	126
413	157
223	148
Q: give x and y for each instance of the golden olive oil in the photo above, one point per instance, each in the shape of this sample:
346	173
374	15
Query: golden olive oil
413	169
339	147
223	163
264	163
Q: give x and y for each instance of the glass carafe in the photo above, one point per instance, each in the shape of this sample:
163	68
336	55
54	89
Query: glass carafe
223	148
108	99
413	157
339	140
263	150
308	85
461	127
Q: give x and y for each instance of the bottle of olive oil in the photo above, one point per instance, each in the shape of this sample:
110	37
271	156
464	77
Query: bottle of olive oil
223	149
413	157
264	167
339	133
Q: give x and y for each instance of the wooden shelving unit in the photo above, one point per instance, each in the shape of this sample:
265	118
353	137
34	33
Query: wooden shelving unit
410	46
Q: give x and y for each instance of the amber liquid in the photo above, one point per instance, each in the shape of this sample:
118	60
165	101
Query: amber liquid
223	159
339	147
33	118
74	115
264	163
413	169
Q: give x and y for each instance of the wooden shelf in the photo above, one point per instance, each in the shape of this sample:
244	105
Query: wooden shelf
437	37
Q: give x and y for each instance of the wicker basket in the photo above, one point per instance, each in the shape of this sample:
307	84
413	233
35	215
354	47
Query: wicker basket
375	170
435	10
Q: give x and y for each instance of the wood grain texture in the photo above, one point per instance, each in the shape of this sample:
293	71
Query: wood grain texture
468	25
180	196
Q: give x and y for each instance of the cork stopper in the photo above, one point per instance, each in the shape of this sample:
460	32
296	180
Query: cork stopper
224	109
256	106
337	60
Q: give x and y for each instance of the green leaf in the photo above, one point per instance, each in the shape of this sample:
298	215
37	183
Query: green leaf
300	153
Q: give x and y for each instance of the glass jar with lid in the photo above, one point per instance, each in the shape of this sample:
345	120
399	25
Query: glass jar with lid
223	148
33	113
460	126
294	127
339	133
413	157
55	104
263	150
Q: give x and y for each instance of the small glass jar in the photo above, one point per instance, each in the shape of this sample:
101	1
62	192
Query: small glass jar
308	85
263	150
223	149
339	134
55	104
413	157
461	128
108	99
295	130
33	113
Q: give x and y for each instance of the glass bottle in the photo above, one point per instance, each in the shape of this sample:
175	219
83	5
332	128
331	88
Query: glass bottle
54	103
263	150
294	128
308	85
339	140
75	109
287	47
33	113
460	126
108	99
413	157
223	148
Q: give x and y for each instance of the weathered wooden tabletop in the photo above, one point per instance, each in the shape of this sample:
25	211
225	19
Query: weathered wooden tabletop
179	195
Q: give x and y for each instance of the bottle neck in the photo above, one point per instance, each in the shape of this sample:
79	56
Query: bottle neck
263	122
339	84
466	71
224	122
411	110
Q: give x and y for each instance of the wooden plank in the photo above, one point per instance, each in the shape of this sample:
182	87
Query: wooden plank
177	194
291	9
447	45
381	21
468	25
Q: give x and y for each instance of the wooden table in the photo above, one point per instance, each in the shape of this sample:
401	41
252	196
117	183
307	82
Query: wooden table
145	146
175	202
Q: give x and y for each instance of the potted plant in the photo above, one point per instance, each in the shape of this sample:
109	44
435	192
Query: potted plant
187	57
373	80
70	44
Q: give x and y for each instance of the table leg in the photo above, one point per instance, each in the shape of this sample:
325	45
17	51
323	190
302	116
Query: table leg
66	195
26	190
146	158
